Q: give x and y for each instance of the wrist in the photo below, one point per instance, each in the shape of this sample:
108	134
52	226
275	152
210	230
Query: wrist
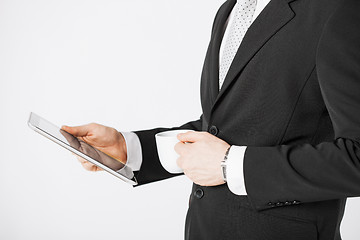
123	148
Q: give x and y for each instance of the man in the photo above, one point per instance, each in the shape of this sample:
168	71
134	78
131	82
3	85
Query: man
286	97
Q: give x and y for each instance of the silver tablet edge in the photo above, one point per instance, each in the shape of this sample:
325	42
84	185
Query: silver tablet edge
132	182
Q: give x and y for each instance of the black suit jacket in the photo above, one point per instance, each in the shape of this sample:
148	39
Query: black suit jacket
292	95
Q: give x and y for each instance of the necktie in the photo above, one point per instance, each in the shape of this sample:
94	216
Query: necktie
244	11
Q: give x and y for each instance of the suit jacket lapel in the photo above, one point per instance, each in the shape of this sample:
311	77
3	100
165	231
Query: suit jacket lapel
274	16
219	30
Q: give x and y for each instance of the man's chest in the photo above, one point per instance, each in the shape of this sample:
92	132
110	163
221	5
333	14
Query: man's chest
272	76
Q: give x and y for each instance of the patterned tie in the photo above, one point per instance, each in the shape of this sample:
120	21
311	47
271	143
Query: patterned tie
243	14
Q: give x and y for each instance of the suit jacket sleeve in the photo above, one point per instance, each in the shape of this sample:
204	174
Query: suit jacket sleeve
329	170
151	169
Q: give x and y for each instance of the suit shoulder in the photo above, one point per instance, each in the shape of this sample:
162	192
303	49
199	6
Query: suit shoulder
341	35
346	10
346	18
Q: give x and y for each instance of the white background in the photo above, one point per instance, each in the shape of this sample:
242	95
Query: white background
127	64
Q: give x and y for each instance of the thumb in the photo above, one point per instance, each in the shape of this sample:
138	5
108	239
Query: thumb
79	131
190	136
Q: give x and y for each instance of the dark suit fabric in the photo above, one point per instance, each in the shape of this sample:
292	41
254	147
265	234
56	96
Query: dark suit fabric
292	95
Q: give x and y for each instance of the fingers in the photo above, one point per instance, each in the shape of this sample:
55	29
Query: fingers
88	165
79	131
190	136
180	148
73	141
80	159
183	150
180	163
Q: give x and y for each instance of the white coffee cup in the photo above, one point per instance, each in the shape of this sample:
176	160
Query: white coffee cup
165	142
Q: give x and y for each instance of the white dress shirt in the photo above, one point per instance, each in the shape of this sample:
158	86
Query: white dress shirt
235	175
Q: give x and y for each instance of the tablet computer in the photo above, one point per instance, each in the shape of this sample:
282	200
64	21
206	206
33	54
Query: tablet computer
81	148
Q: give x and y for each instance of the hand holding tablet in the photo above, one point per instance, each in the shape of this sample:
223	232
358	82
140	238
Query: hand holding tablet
99	147
105	139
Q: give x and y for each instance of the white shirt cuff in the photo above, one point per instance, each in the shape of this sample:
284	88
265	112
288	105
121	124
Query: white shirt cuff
234	170
134	154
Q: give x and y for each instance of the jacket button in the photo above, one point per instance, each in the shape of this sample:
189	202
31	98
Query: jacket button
199	193
213	130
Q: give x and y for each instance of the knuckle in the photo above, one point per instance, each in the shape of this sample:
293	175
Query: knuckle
113	130
180	136
202	135
179	162
179	148
206	134
176	146
93	125
186	172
